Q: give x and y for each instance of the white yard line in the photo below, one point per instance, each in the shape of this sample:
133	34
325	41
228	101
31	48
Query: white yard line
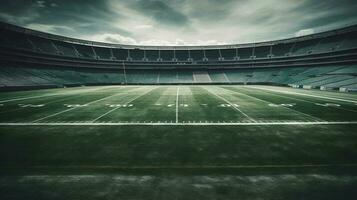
232	105
177	104
310	116
310	95
70	109
114	109
277	123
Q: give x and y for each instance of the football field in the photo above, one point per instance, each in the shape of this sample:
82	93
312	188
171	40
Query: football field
177	105
217	137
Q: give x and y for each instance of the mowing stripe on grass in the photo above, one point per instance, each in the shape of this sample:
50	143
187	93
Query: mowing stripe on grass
276	123
302	100
324	165
50	95
114	109
70	109
177	99
268	102
232	105
296	93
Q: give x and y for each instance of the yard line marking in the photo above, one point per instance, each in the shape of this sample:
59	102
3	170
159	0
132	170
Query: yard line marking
70	109
303	100
288	92
232	105
189	166
276	123
177	99
114	109
310	116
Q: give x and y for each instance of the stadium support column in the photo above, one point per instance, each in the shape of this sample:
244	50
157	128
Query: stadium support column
220	55
76	51
292	49
55	47
124	72
94	53
34	48
112	54
270	53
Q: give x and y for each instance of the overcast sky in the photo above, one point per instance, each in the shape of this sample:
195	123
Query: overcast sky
179	22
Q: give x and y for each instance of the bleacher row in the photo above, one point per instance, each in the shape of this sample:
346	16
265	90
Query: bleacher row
38	44
327	77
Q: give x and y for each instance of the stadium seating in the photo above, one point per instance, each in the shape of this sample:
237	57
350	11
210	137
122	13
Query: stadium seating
324	60
229	54
218	76
182	55
103	53
201	77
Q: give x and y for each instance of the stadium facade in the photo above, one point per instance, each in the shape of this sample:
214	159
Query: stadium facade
29	59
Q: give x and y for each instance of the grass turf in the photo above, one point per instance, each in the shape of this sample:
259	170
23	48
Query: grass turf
191	144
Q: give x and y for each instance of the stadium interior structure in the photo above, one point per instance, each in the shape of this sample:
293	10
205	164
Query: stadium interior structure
32	59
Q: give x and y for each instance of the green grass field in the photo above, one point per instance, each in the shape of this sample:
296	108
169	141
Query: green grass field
153	142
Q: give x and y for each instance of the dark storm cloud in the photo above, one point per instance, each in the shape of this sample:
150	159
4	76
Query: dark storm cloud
179	21
64	16
328	12
160	11
208	10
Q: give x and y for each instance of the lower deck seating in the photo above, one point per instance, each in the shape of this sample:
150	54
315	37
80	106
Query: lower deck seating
324	77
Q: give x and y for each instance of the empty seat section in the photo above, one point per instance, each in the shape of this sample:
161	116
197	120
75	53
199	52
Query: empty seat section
341	83
262	75
287	75
201	77
65	48
212	54
328	44
196	55
15	40
168	76
152	55
218	76
352	70
352	87
245	53
15	76
141	76
282	49
185	76
312	72
103	53
44	45
120	54
262	52
349	41
229	54
136	54
167	55
304	47
182	55
85	51
329	79
238	76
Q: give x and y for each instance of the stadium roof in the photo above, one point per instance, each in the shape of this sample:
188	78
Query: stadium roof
180	22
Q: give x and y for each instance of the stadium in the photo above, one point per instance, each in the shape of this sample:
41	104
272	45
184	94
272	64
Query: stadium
83	119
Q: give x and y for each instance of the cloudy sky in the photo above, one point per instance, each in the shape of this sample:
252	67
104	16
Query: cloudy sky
179	22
